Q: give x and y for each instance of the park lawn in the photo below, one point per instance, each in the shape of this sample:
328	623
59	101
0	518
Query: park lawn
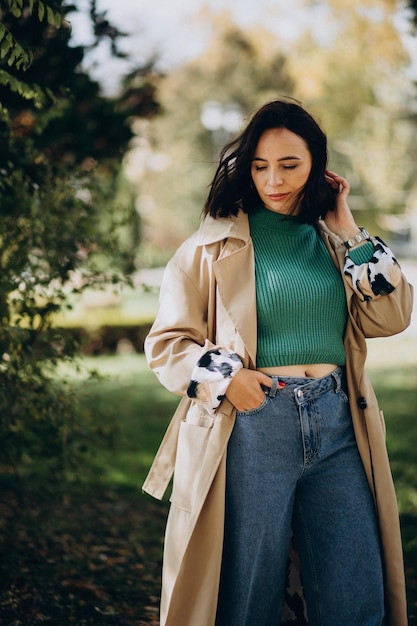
93	557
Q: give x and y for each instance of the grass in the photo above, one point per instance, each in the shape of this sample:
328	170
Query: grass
95	557
139	407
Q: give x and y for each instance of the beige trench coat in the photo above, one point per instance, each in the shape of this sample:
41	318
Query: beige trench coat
208	298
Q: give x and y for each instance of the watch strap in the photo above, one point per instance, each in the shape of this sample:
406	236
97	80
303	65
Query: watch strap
363	235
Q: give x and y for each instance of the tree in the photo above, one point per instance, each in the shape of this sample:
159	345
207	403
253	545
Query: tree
60	169
354	79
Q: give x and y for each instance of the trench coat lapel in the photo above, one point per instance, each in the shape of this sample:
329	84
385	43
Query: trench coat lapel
235	272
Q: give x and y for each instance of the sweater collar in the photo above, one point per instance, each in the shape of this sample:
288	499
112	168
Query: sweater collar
277	222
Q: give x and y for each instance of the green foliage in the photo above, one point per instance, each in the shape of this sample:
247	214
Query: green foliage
12	50
62	222
40	418
17	56
32	92
44	11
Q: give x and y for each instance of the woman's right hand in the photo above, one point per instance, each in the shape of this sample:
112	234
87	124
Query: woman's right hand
245	391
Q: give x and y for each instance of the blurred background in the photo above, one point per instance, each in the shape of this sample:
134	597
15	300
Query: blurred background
353	64
112	116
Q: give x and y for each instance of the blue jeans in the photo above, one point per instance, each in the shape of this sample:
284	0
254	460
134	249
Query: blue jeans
293	464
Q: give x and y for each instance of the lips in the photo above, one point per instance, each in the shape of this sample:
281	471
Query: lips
278	196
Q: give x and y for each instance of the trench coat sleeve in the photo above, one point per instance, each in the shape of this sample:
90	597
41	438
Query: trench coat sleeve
389	315
178	336
386	315
376	315
179	347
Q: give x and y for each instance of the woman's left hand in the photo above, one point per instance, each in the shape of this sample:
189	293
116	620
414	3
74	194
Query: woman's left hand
340	221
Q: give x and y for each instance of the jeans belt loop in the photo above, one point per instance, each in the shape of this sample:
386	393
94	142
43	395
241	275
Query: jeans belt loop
338	379
273	390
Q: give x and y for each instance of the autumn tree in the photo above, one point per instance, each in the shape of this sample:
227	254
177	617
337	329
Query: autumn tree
349	66
62	147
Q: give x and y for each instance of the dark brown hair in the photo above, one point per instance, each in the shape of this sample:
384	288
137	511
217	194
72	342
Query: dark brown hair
232	187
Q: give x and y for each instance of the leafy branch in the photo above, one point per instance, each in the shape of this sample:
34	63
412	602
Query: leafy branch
16	56
44	11
29	92
10	49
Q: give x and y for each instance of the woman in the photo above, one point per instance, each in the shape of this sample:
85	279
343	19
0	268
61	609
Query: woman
262	324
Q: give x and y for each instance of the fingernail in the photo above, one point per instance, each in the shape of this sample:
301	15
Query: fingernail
281	384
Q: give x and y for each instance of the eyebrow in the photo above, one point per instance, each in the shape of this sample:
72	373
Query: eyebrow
286	158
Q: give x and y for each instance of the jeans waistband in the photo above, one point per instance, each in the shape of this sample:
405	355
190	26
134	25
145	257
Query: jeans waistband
305	389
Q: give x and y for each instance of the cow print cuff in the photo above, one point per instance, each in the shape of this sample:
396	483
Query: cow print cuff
378	277
212	375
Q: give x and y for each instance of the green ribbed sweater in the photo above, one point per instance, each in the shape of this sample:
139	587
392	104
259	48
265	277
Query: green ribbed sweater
300	297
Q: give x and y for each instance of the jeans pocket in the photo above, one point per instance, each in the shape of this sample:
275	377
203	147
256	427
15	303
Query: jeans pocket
256	410
343	395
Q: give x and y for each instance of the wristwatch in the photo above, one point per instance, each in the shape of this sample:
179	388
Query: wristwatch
363	235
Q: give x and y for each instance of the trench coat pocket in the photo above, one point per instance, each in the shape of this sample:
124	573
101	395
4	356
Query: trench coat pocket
192	442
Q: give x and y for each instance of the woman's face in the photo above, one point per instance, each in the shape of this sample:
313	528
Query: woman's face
280	169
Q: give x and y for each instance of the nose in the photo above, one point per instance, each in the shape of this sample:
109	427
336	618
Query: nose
275	178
